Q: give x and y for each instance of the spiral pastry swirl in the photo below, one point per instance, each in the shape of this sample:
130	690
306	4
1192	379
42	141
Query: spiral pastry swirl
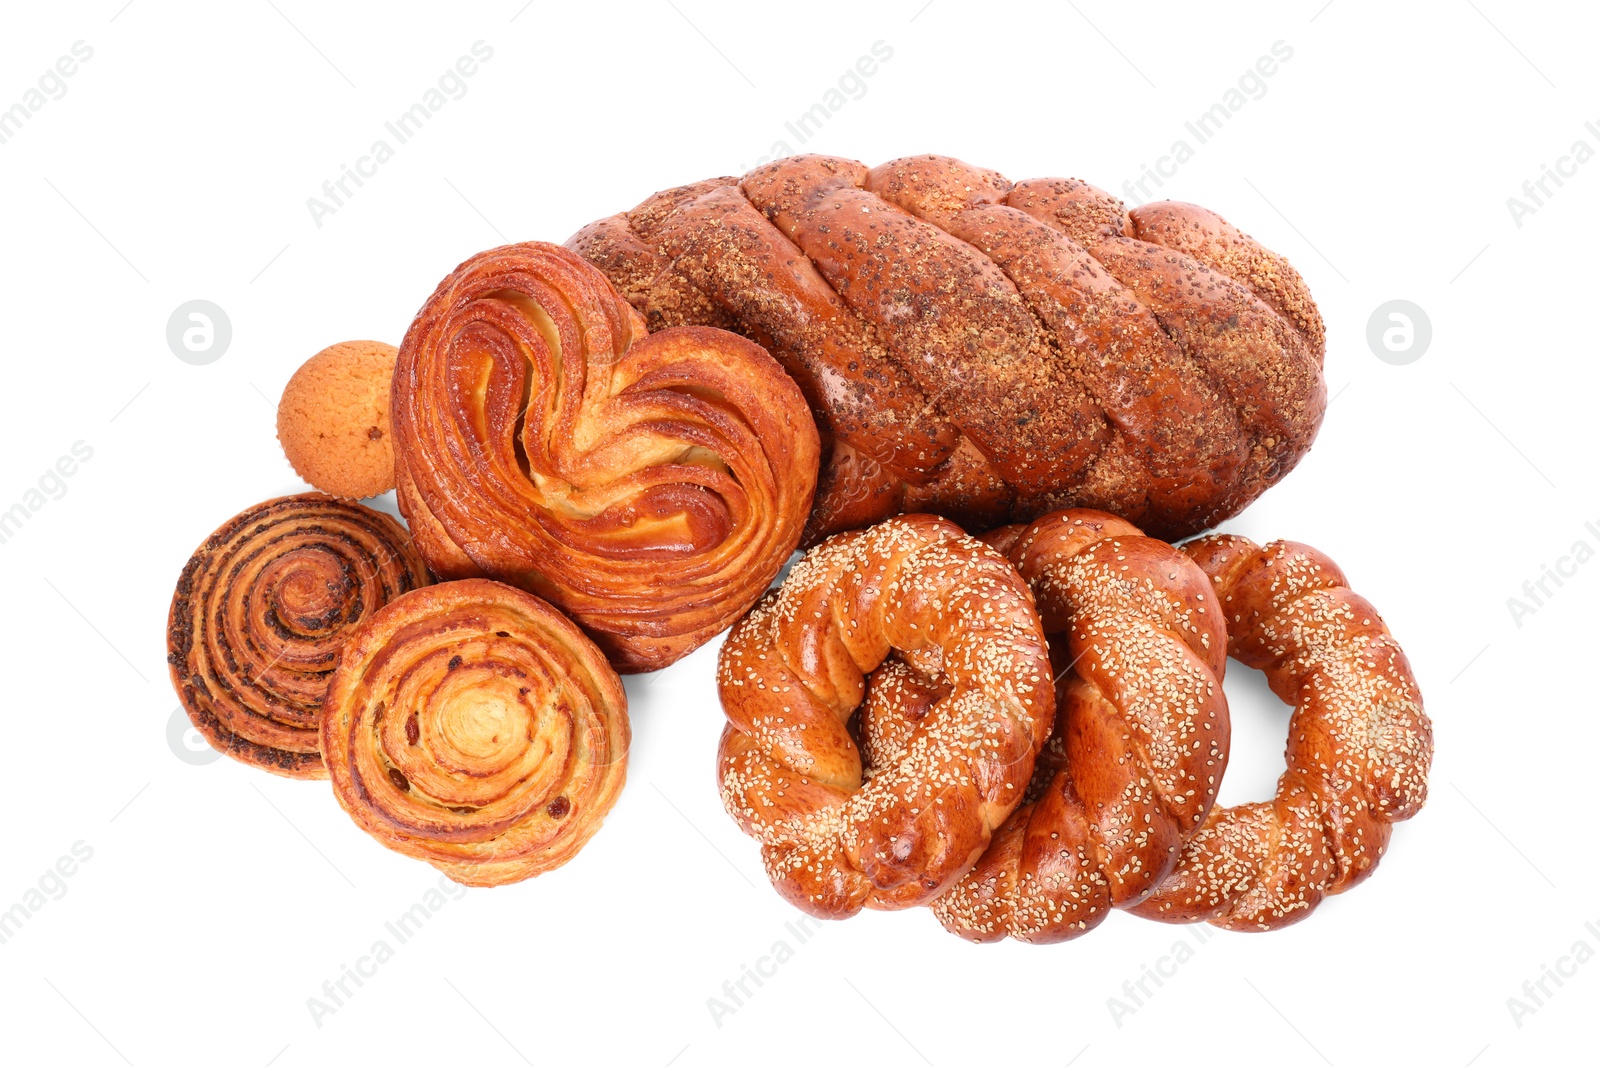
263	609
649	485
472	725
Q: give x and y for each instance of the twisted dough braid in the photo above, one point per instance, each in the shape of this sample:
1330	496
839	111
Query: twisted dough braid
474	726
1360	744
836	836
992	350
1141	737
651	486
260	615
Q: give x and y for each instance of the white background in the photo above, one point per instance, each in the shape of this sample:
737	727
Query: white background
218	899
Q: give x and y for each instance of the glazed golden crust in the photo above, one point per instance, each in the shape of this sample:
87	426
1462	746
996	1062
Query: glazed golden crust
1360	745
1141	736
263	609
649	485
838	832
473	726
992	351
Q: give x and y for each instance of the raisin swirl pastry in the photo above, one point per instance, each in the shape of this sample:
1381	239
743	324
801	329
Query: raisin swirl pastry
472	725
263	609
651	486
993	350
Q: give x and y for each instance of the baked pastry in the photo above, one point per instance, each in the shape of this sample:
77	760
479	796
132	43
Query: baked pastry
991	350
473	726
333	419
1360	744
649	485
1141	735
263	609
892	823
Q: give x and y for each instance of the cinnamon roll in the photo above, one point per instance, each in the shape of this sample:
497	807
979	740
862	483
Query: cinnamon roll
260	615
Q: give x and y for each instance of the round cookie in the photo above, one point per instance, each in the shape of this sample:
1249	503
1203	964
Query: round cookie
333	419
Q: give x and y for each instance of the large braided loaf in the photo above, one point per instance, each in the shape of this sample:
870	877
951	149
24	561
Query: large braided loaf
990	350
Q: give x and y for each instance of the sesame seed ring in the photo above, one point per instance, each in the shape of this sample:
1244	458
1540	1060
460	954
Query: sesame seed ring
839	833
472	725
1141	736
1360	744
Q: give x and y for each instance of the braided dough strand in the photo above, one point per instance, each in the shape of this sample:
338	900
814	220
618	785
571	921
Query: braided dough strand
836	835
1359	750
1141	738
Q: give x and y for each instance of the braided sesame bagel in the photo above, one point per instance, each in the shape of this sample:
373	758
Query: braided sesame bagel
1141	736
1359	750
838	831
